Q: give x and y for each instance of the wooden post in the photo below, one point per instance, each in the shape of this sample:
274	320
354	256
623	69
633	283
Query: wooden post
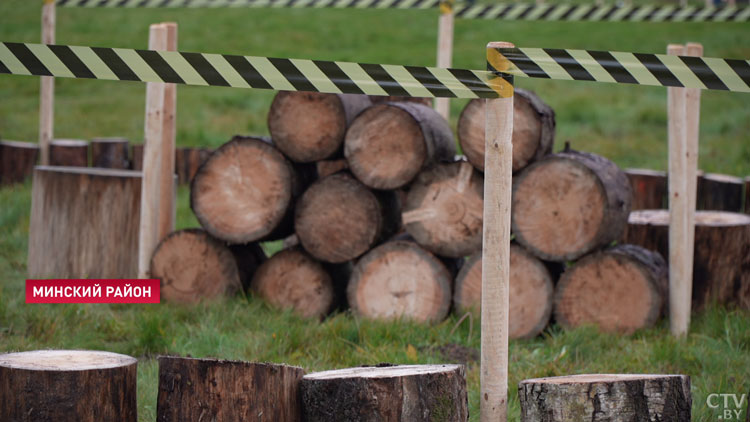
445	50
168	208
47	92
692	135
498	166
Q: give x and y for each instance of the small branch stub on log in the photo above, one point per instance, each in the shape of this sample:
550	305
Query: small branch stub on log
649	188
67	386
69	152
110	153
17	160
405	393
720	192
606	397
220	390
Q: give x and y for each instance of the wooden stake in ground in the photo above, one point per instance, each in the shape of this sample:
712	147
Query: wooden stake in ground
649	188
110	153
610	397
69	152
220	390
68	386
445	51
411	393
47	87
720	192
168	188
17	161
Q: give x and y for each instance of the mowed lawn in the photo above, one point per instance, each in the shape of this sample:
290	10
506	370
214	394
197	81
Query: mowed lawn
624	123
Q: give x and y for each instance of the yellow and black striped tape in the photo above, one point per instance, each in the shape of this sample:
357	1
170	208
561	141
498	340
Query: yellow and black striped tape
296	4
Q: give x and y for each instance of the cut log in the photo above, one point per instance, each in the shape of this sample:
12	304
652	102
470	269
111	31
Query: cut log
136	157
68	386
111	153
388	144
193	266
533	130
620	289
569	204
443	209
187	162
720	192
386	393
399	279
248	257
531	292
721	262
292	279
377	99
649	189
325	168
310	126
17	160
84	223
220	390
606	397
69	152
338	218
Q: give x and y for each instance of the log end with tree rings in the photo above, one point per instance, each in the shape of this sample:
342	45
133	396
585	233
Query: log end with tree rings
533	130
649	188
620	289
292	279
242	192
569	204
193	266
17	161
444	209
400	279
531	292
69	153
389	143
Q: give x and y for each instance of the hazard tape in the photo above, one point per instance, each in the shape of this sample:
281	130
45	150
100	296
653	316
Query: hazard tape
295	4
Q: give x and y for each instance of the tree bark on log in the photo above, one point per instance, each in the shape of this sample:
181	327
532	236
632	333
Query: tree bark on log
84	223
221	390
569	204
388	144
720	192
110	153
69	153
310	126
249	258
533	130
606	397
188	161
377	99
443	209
136	157
620	289
721	262
405	393
17	161
649	189
67	386
531	292
193	266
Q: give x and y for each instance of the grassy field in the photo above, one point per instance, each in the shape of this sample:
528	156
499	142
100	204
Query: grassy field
624	123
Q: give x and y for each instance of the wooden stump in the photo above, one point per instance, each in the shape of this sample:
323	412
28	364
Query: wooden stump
721	263
400	279
533	130
17	160
292	279
84	223
720	192
443	209
69	152
193	266
747	206
401	393
110	153
649	189
221	390
569	204
606	397
187	162
136	157
248	258
67	386
377	99
338	218
622	289
531	292
388	144
310	126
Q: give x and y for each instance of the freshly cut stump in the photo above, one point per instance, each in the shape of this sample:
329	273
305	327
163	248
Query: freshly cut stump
399	279
67	386
111	153
17	160
620	289
721	263
606	397
188	161
444	209
69	152
404	393
221	390
310	126
649	189
533	130
249	258
531	292
720	192
569	204
338	218
193	266
389	143
243	191
293	279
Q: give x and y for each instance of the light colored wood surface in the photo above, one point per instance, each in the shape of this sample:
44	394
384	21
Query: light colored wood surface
444	56
168	208
47	87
